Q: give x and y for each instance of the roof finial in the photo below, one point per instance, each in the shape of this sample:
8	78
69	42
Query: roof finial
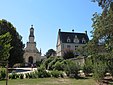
59	30
85	32
40	51
31	26
72	30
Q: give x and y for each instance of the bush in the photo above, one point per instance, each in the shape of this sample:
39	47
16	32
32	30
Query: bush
88	67
27	75
21	76
14	76
34	74
18	75
58	66
56	74
72	69
2	73
30	75
47	61
10	76
53	62
99	71
42	73
38	63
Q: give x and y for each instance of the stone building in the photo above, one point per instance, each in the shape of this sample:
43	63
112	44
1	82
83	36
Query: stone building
70	40
31	55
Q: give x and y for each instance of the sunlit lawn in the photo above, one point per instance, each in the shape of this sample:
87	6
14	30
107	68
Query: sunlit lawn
50	81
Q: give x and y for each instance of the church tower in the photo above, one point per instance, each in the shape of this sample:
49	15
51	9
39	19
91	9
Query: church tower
31	55
31	36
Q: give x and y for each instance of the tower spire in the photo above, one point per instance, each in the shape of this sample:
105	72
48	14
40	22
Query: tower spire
31	36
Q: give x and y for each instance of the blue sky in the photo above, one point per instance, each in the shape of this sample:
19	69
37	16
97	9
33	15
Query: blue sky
48	16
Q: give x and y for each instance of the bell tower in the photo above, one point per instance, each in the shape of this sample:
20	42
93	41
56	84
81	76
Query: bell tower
31	36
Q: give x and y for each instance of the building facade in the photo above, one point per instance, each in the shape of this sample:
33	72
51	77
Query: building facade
70	40
31	55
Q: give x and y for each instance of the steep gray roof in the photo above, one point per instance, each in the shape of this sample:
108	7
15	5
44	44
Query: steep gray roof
64	35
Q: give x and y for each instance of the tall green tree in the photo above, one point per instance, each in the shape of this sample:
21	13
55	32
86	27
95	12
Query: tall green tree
5	46
100	47
103	3
102	30
16	53
50	52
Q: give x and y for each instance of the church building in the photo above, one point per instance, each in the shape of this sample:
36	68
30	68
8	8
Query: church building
31	55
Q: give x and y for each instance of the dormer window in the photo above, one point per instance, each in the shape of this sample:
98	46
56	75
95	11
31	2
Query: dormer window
83	40
76	40
68	39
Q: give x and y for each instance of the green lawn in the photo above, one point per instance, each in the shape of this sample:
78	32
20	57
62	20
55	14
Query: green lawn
50	81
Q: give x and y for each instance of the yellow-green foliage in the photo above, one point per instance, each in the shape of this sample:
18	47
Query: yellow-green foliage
2	73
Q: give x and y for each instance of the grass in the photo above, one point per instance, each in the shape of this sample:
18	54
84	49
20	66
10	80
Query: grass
50	81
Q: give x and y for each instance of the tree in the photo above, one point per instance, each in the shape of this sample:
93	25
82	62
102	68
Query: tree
82	50
68	54
100	46
5	46
102	30
103	3
50	52
16	53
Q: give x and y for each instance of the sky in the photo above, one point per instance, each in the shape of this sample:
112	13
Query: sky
47	16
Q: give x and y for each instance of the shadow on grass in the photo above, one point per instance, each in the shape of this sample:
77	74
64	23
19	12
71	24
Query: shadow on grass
80	78
2	79
83	78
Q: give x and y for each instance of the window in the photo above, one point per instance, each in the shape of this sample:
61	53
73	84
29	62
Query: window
76	40
83	40
76	47
68	46
68	39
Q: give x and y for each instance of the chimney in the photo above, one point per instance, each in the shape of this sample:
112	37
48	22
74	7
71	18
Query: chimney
72	30
85	32
59	30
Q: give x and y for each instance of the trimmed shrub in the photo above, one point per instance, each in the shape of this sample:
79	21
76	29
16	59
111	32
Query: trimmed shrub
18	75
21	76
27	75
10	76
14	76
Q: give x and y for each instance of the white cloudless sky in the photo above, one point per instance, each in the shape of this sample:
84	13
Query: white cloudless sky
47	16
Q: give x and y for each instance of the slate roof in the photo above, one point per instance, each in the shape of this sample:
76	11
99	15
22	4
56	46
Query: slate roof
64	35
